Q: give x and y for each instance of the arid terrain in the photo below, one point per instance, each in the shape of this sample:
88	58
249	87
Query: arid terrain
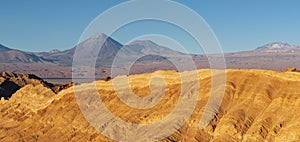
149	71
258	105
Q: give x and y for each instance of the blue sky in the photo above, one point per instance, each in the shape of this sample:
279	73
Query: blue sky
36	25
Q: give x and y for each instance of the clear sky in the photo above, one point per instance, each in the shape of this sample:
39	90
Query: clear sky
40	25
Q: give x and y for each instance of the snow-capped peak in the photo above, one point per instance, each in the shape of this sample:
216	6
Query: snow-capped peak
278	47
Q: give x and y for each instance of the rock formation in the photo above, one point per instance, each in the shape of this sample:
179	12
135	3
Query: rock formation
291	70
58	88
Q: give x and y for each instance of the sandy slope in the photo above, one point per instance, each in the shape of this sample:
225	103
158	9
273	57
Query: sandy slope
258	105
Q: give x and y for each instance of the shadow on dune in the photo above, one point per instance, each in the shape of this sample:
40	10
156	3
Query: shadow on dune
8	88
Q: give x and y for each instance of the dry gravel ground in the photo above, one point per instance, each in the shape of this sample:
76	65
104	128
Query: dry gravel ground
258	105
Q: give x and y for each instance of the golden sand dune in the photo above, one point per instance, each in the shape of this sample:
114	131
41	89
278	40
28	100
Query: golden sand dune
258	105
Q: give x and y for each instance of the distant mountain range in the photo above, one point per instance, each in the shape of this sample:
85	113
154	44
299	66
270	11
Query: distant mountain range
8	55
58	64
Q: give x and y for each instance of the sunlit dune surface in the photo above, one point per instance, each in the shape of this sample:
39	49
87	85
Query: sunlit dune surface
258	105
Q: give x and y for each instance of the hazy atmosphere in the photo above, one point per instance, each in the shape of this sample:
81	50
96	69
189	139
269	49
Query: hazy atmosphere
239	25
